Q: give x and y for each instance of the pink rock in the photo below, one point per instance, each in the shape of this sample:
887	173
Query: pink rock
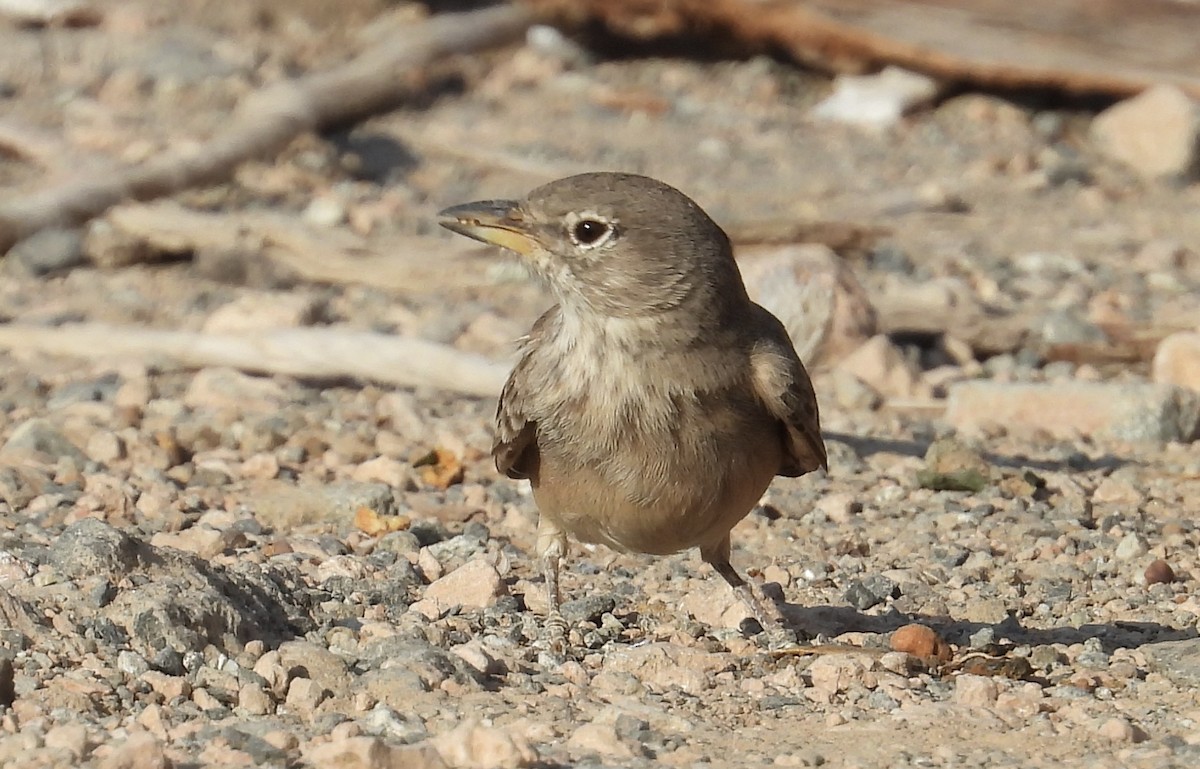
1156	133
1177	360
815	294
1112	410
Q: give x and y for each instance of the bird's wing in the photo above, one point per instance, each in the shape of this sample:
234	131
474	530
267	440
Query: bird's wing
515	432
782	384
515	447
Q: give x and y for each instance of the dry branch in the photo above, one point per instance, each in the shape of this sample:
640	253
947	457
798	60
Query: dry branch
1075	46
266	121
411	265
311	353
35	145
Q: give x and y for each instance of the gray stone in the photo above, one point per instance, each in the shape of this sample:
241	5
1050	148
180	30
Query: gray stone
382	721
1069	327
588	608
91	547
870	591
188	54
1179	661
132	664
48	251
430	664
983	638
308	660
20	485
39	435
399	542
7	682
188	603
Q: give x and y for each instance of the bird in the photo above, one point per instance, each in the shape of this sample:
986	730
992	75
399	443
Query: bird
652	405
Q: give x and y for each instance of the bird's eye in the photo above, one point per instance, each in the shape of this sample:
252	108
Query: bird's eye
587	232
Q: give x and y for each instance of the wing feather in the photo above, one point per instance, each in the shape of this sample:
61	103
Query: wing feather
783	385
515	448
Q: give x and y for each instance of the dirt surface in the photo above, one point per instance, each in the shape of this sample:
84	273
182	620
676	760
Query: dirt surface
208	568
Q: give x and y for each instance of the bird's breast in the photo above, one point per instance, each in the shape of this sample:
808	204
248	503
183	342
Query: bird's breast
649	449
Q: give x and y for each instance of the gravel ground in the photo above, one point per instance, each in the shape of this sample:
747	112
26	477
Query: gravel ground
209	568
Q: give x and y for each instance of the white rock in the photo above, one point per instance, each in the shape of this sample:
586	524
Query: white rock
716	608
383	470
975	691
105	447
254	700
223	389
204	541
140	750
1131	546
262	310
834	673
602	739
325	211
879	100
474	585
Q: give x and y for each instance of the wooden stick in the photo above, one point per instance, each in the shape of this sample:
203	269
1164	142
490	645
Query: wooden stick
411	264
311	353
267	120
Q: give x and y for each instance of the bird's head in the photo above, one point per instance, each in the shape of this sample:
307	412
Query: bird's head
617	244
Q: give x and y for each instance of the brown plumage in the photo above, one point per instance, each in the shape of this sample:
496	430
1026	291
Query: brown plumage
651	407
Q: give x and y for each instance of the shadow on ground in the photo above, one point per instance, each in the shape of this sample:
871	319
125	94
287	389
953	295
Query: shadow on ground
835	620
866	446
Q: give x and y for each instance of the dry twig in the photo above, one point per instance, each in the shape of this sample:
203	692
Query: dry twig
266	121
311	353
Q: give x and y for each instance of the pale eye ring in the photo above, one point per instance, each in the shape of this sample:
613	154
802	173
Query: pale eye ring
589	230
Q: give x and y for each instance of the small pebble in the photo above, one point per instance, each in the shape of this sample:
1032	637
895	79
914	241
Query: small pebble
1159	572
921	641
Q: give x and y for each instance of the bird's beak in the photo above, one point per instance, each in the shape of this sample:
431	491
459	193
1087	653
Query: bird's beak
499	222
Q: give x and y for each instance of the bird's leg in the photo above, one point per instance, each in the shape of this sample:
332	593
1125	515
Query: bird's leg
552	546
718	556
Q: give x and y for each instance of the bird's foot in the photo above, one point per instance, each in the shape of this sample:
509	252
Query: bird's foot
766	623
556	629
553	641
762	606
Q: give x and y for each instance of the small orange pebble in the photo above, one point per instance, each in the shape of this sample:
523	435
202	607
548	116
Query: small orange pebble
276	547
440	468
373	524
1159	572
921	641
